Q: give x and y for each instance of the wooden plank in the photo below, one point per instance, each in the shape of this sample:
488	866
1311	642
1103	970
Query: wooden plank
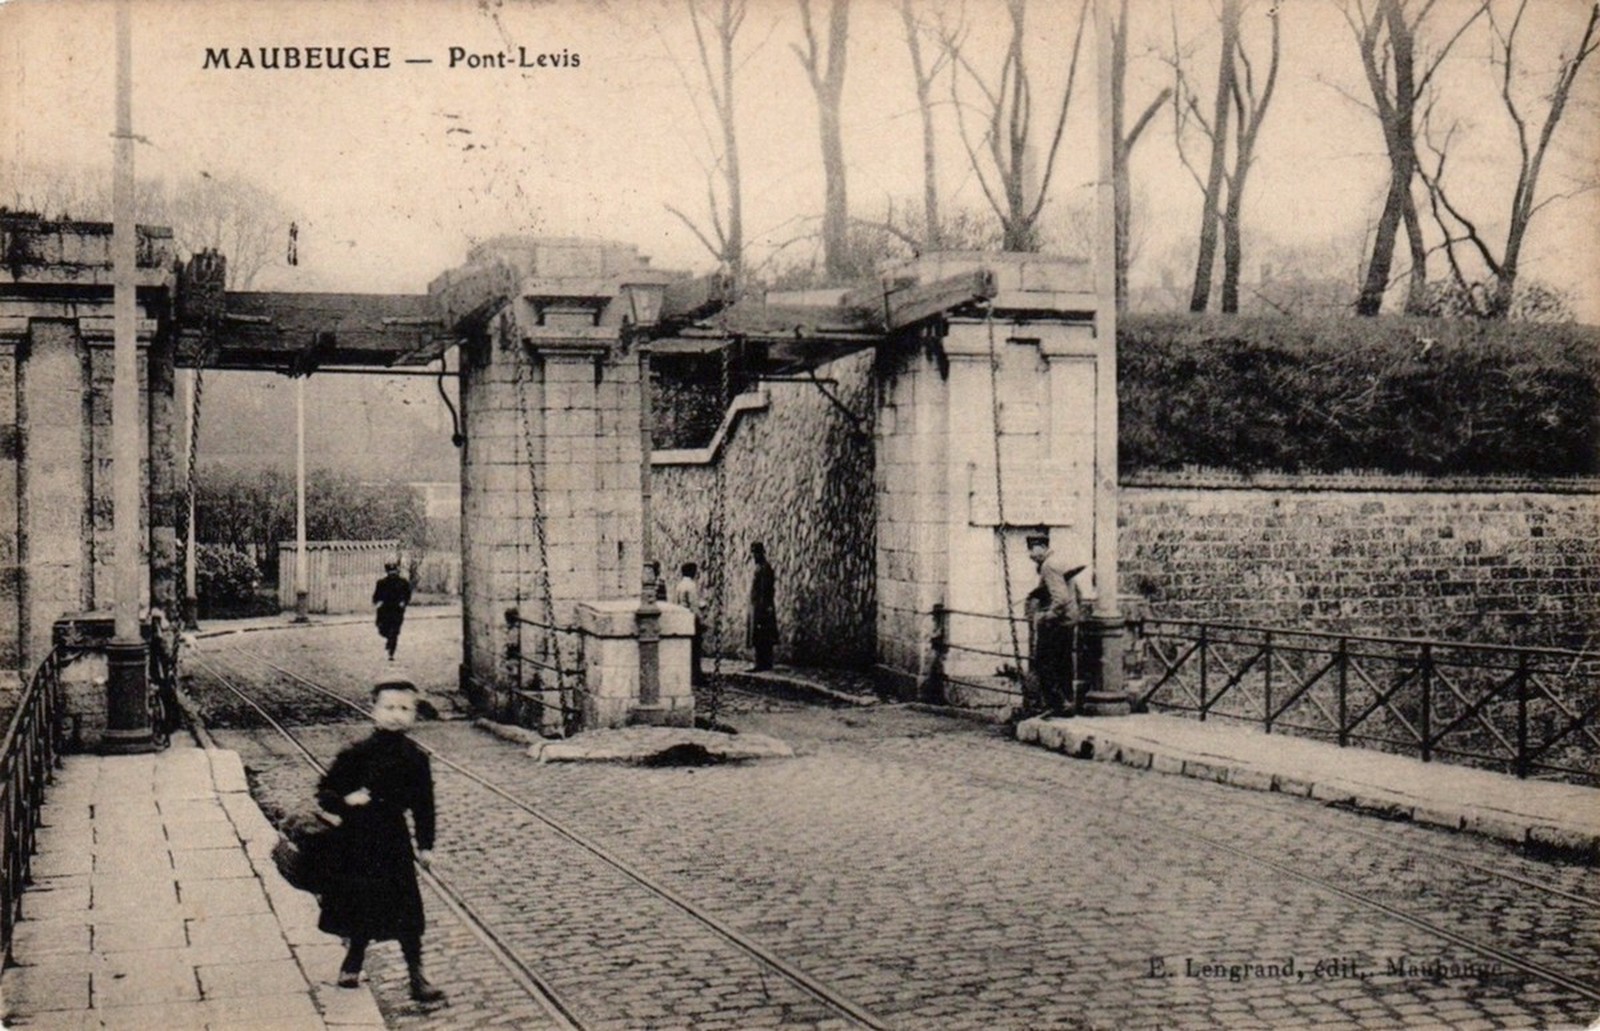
914	302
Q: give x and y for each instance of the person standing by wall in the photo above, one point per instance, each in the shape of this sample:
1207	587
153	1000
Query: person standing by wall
763	632
391	595
371	893
687	593
1056	609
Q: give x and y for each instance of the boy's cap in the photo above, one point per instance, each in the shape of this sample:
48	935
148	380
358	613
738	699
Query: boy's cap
1038	537
394	684
391	565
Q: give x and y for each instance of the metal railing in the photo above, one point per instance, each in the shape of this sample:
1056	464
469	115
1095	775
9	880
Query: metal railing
1009	683
559	688
1527	711
31	753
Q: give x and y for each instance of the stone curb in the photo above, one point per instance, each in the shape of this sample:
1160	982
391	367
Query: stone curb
1082	742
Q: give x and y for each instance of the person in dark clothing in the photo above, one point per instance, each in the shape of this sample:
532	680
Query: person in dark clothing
371	892
1055	609
391	595
763	632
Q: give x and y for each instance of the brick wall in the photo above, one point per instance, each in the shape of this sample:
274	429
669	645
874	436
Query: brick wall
1373	555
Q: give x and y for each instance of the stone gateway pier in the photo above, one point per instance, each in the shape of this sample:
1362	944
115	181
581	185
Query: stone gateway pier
556	610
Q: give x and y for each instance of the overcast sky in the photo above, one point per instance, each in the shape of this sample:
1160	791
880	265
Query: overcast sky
389	190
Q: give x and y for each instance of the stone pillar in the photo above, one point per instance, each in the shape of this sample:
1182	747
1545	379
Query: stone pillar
911	440
1020	371
550	394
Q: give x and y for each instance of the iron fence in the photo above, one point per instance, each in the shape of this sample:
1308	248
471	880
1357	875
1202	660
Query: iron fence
559	689
1528	711
1008	684
31	753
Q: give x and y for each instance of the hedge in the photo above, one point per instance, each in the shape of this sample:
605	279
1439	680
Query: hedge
1399	395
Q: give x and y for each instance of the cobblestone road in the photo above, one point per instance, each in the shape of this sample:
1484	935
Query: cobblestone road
941	876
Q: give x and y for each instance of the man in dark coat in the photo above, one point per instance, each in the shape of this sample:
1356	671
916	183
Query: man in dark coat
391	595
370	892
763	632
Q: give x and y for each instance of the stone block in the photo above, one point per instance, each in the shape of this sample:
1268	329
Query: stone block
1495	825
1251	780
1331	791
1566	839
1434	817
1205	771
1138	758
1161	763
1291	785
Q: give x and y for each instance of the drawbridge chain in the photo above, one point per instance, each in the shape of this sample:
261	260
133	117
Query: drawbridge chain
550	646
717	549
999	493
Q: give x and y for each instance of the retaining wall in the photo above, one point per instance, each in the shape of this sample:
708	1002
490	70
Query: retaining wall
1370	554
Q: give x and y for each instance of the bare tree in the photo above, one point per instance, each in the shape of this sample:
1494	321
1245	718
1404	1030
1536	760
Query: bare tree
1006	104
1125	138
716	25
1250	103
1462	233
1231	132
1387	35
825	70
1217	130
235	216
926	74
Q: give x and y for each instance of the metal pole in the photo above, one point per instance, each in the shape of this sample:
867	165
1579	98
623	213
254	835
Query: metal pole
190	563
1107	696
127	697
301	559
649	614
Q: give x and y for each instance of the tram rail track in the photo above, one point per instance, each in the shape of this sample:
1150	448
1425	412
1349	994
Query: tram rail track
1511	959
563	1012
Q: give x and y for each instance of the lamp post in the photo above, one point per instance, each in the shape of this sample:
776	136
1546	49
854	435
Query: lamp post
644	303
127	687
1107	695
301	560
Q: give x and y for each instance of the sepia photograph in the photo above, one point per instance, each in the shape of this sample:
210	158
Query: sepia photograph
802	514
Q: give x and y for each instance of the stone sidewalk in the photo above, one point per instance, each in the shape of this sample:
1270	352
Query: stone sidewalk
1561	816
155	904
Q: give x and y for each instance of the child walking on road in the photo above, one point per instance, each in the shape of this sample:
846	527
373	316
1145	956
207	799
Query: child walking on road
372	892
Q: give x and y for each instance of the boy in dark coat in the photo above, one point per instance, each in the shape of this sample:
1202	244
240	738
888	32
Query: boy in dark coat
372	893
392	594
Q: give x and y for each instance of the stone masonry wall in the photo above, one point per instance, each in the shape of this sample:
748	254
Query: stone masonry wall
799	479
587	446
1516	568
